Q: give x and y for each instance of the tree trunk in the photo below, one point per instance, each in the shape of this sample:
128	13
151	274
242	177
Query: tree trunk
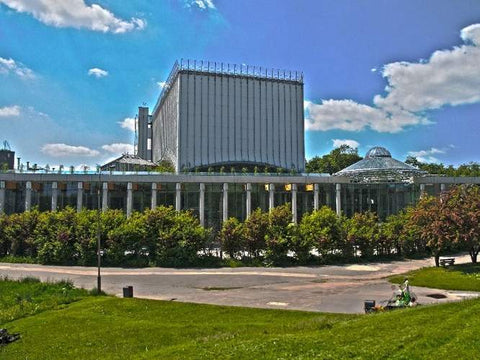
437	260
473	255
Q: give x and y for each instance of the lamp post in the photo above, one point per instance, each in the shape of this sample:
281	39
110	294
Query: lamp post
99	259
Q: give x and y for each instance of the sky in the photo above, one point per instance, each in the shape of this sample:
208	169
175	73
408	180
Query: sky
400	74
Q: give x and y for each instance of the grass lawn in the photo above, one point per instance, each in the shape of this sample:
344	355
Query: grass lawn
29	296
458	277
113	328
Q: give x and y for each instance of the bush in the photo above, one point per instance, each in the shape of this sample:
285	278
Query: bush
231	237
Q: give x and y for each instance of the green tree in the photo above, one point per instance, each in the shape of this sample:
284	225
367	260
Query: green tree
231	237
321	230
255	231
363	232
336	160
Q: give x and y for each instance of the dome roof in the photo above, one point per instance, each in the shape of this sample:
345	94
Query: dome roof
378	151
379	166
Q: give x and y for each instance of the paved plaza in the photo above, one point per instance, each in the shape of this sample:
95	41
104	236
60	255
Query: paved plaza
335	288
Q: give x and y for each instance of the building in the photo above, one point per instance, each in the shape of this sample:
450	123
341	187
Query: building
7	159
215	197
128	162
214	115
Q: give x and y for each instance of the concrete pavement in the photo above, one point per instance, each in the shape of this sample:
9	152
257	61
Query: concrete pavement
335	288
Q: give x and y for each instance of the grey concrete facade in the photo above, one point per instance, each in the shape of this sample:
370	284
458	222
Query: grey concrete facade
218	118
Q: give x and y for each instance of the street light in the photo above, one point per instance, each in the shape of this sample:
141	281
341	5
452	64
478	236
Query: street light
99	278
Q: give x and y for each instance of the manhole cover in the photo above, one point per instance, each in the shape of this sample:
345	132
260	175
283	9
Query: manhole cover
437	296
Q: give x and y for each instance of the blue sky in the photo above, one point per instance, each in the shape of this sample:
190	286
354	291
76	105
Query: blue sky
400	74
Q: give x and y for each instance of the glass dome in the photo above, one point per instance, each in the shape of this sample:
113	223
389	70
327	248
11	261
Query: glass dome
378	151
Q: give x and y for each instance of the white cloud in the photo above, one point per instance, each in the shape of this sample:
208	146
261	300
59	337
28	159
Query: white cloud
64	150
201	4
161	84
339	142
118	148
98	73
448	78
427	156
373	69
8	66
76	14
8	111
471	34
128	123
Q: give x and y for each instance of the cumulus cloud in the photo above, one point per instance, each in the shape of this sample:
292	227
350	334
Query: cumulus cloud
201	4
76	14
8	111
118	148
128	123
448	78
98	73
64	150
339	142
10	66
428	156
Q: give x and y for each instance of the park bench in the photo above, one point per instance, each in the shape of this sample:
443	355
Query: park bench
447	261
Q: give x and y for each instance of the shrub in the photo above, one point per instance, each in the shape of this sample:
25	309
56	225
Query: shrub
231	237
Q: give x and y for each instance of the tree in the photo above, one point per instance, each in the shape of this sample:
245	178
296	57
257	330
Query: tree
321	230
431	216
363	232
164	166
336	160
231	237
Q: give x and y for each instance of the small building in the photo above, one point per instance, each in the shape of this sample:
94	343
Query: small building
379	166
7	159
129	162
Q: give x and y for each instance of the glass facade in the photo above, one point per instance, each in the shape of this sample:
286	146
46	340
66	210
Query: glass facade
381	198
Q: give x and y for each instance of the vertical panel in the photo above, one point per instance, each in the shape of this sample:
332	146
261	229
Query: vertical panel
269	122
256	120
218	119
197	120
300	131
276	127
238	118
231	118
288	126
244	122
281	124
205	128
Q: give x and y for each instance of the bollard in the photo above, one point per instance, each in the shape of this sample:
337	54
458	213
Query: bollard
128	292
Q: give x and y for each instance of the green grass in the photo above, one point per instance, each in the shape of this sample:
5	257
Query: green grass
29	296
464	277
113	328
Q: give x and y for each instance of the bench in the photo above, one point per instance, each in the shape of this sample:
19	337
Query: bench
447	261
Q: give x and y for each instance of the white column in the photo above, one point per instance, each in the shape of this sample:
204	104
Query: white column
129	199
79	196
153	204
28	195
315	196
225	202
54	195
442	187
338	198
422	190
178	196
2	196
271	196
294	203
201	204
104	196
249	199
